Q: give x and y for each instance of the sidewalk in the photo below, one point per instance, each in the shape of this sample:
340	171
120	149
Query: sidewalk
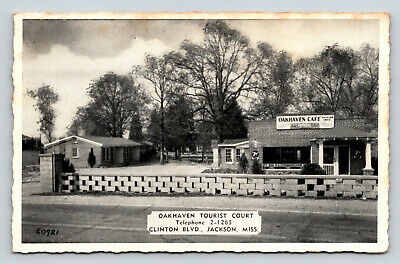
301	205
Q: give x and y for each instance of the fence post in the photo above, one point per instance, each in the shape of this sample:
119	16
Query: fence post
46	172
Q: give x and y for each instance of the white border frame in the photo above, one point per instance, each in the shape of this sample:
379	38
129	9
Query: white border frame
383	141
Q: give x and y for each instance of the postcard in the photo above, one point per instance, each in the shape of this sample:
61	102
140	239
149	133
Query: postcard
201	132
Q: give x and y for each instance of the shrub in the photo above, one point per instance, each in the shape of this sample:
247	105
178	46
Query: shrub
71	168
243	163
312	169
221	170
256	167
91	159
66	166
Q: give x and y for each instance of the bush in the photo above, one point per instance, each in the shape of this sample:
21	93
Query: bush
243	163
221	170
312	169
91	159
71	168
66	166
256	167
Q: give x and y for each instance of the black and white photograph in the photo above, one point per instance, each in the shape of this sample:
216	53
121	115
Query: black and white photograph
204	132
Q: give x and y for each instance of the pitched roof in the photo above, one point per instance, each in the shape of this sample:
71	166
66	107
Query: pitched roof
101	141
234	142
344	132
113	141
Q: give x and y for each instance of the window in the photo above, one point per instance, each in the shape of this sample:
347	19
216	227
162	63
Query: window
228	155
237	155
107	154
276	155
271	155
127	154
329	154
75	152
288	155
75	141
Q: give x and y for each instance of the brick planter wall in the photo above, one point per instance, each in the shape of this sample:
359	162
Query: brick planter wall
229	184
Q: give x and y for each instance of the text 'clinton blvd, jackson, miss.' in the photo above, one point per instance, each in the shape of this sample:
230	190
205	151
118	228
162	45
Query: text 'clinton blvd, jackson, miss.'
204	223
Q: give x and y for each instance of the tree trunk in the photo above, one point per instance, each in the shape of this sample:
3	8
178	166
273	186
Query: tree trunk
162	132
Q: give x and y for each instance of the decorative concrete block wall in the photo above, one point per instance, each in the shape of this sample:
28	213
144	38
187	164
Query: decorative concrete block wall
224	184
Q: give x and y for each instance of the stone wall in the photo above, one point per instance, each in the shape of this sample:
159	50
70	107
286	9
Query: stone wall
232	184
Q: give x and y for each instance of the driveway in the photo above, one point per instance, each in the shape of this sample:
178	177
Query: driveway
155	169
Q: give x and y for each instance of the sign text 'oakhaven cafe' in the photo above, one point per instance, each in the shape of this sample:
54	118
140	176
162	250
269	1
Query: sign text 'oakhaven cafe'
305	121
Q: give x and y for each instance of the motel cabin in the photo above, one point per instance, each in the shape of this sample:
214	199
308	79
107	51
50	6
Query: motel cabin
227	154
287	143
109	151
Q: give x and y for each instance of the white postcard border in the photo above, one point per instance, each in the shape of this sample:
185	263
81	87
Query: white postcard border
383	142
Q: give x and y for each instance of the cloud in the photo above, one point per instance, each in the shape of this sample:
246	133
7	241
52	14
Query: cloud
305	37
70	74
68	54
103	38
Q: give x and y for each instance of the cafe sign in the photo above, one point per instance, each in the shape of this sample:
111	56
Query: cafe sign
305	121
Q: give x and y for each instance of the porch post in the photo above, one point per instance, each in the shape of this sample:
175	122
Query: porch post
321	153
368	170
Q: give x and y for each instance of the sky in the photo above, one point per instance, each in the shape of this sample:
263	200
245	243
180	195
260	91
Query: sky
69	54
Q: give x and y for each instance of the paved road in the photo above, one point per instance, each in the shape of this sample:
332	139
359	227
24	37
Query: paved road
114	223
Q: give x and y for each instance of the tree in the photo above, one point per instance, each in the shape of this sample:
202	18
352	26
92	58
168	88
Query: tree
82	125
341	81
275	91
233	124
325	78
45	97
204	133
362	100
114	100
154	129
157	72
136	128
219	70
179	124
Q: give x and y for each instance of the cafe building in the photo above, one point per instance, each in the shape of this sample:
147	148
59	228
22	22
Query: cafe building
287	143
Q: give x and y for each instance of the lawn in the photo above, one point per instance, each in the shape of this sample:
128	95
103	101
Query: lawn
173	168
